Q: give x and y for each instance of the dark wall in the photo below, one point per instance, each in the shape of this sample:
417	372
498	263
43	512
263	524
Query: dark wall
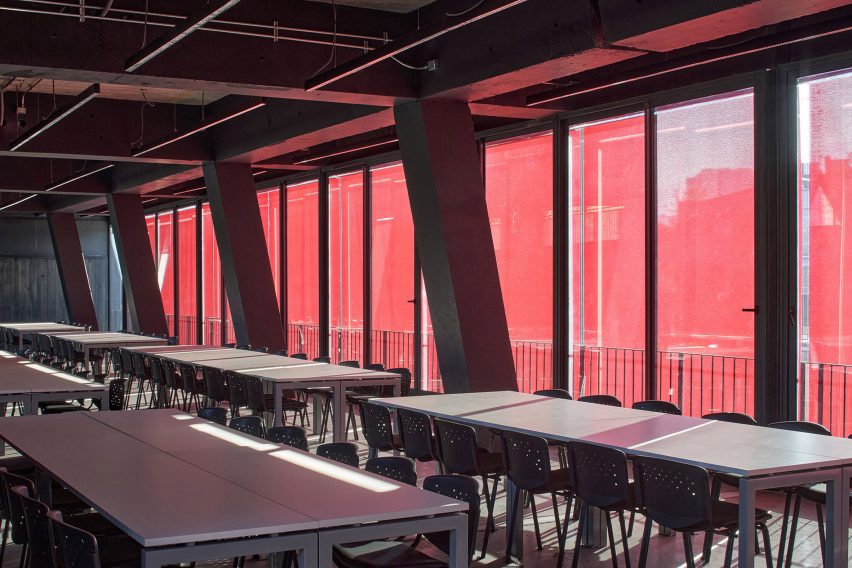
30	289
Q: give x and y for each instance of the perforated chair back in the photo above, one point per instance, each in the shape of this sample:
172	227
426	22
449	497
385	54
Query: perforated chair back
801	426
251	425
675	495
39	531
169	375
293	436
115	394
187	375
321	359
255	394
214	414
604	399
375	366
341	452
16	508
155	364
415	432
461	488
354	364
376	426
138	360
396	468
456	447
527	460
303	356
732	417
77	548
243	347
661	406
215	380
404	379
126	361
555	393
599	474
237	390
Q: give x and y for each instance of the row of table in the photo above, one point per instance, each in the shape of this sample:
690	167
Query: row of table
764	457
189	490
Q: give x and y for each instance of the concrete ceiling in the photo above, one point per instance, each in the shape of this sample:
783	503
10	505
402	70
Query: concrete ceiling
108	91
400	6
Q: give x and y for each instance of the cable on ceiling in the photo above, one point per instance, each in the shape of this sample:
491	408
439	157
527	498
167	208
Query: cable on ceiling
466	11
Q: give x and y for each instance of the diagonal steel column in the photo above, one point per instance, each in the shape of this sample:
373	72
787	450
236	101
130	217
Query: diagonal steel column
72	268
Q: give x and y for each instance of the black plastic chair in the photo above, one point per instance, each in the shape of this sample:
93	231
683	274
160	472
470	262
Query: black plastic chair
459	453
39	531
555	393
661	406
194	390
261	349
214	414
341	452
377	429
388	553
237	392
415	435
732	417
397	468
601	480
816	494
303	356
217	388
243	347
252	425
171	382
293	436
354	364
320	359
115	395
79	548
142	375
158	383
677	496
260	403
528	467
404	379
604	399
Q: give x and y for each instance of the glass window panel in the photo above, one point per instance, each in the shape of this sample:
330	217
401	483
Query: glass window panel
268	201
519	195
392	258
346	265
187	278
825	269
303	268
211	288
705	217
607	227
151	225
165	266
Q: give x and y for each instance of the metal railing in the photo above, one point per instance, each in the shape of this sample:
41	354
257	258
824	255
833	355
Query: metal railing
825	395
303	338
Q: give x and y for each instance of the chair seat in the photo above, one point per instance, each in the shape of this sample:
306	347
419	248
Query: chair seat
93	523
727	514
356	398
120	550
489	462
319	391
382	553
728	479
287	403
59	408
560	480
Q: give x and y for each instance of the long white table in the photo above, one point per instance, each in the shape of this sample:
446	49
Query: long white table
23	329
94	340
764	457
188	490
286	373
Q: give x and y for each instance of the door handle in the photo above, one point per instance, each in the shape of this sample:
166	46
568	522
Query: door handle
412	301
753	310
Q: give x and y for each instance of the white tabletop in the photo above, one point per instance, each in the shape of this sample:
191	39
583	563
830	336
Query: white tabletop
220	354
157	498
333	494
315	372
720	446
41	326
93	338
21	376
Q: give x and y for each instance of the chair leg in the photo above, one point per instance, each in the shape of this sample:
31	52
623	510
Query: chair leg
576	557
729	550
613	554
624	536
510	530
793	526
785	521
25	550
821	531
687	549
3	544
535	522
559	531
630	526
708	547
489	505
494	483
767	546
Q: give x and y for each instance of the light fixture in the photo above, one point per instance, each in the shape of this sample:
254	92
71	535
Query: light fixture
209	124
349	151
56	116
18	202
185	28
72	179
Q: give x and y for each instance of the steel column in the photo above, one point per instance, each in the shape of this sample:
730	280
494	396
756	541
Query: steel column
72	268
453	234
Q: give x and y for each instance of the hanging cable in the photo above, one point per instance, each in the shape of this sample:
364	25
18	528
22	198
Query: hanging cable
145	26
412	67
467	11
332	58
147	103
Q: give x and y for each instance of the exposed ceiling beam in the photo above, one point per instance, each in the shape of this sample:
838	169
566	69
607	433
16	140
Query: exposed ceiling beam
204	12
56	116
428	32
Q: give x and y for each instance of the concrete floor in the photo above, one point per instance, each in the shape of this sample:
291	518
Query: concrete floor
665	551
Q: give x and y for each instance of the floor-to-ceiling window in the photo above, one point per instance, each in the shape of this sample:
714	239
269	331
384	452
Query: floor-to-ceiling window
187	329
825	261
270	216
346	265
705	253
303	259
392	270
166	266
607	257
211	282
151	226
519	195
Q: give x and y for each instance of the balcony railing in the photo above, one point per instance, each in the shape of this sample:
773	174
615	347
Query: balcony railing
825	395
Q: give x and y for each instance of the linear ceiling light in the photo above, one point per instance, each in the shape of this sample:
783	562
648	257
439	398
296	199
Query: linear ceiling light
79	176
56	116
349	151
206	12
425	34
18	202
204	126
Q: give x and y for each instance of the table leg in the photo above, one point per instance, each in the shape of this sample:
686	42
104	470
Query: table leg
594	529
459	553
86	361
845	484
21	342
748	495
317	412
339	402
516	521
836	510
278	394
